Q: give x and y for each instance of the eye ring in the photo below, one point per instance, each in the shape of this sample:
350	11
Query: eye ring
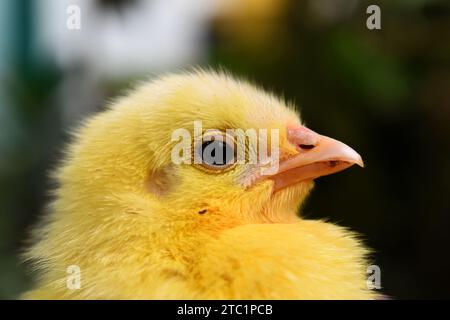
213	139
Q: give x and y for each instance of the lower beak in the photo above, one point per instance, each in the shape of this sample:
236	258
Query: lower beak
317	156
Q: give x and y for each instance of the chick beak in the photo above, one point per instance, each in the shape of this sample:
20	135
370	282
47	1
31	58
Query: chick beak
317	156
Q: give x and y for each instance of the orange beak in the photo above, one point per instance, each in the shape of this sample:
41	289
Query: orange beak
317	156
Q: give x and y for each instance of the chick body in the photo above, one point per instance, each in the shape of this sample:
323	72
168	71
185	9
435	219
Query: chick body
140	227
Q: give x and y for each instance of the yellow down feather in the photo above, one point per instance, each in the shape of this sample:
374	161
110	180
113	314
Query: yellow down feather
132	242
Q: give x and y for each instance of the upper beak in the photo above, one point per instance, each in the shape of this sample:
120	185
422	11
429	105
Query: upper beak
317	156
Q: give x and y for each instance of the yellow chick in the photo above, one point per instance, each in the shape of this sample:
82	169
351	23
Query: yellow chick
129	222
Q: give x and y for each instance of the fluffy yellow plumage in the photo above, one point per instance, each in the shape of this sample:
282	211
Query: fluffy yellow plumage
140	227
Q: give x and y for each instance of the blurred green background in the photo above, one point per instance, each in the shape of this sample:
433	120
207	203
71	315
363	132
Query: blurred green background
384	92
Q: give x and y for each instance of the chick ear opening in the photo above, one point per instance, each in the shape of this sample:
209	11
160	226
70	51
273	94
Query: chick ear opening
161	182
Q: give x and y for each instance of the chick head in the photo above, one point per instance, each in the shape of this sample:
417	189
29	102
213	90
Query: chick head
154	151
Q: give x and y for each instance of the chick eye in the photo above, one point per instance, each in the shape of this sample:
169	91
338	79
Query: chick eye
216	153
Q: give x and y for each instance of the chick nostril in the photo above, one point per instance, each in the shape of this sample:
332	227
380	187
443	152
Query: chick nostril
306	146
